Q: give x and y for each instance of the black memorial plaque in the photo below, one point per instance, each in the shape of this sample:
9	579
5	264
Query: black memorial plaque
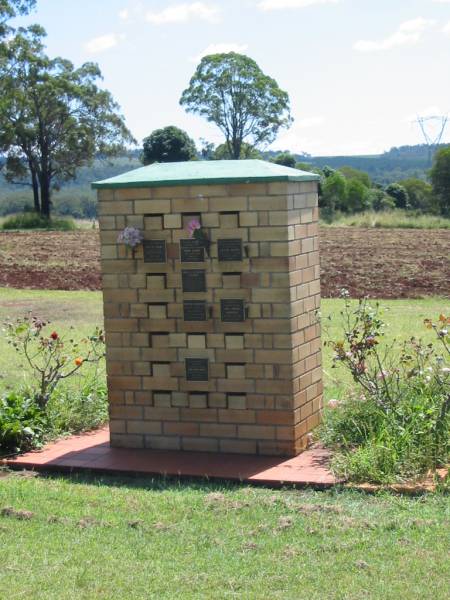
154	251
191	250
197	369
194	280
229	250
194	310
232	311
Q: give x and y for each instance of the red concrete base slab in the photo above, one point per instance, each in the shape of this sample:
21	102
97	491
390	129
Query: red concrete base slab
92	452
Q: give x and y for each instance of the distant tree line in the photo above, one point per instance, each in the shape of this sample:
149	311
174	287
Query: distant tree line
349	190
342	190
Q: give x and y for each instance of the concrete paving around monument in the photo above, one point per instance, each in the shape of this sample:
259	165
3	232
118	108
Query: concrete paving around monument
92	452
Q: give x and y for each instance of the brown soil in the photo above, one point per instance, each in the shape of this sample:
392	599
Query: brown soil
50	260
385	263
381	263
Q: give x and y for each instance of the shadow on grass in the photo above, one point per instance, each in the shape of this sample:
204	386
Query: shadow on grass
154	483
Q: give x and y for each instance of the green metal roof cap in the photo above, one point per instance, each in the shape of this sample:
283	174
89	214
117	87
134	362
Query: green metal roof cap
205	172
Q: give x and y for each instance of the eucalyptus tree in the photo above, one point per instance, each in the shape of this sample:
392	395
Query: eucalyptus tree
54	118
231	91
9	9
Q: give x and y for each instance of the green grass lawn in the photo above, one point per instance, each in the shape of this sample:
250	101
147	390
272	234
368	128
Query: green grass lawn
112	538
83	311
116	538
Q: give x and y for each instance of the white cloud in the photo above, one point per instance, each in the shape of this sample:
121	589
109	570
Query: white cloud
220	49
124	14
428	111
294	138
308	122
446	28
181	13
283	4
103	42
286	4
409	33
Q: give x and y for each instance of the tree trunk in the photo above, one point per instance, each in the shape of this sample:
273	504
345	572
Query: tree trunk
35	186
45	196
237	149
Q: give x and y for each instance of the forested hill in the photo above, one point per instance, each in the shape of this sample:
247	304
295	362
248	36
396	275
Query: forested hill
77	197
394	165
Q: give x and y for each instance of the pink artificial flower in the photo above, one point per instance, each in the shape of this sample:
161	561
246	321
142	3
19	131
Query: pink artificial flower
193	226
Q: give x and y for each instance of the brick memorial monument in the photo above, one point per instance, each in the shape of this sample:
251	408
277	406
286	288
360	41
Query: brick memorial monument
213	342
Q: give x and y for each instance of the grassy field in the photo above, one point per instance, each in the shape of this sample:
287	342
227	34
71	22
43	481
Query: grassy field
391	219
83	311
110	538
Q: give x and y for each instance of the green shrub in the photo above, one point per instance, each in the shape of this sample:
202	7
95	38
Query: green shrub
22	423
75	411
25	425
32	220
397	423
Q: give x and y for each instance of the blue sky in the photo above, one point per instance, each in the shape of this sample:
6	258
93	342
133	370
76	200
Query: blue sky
357	71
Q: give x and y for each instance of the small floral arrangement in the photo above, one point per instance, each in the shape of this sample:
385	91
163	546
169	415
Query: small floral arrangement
196	232
131	237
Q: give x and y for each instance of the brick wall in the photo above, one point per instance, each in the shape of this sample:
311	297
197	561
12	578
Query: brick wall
264	390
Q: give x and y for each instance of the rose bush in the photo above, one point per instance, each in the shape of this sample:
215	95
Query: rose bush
395	423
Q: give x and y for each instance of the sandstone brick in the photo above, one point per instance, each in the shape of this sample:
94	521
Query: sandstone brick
172	221
161	414
235	371
153	222
144	427
275	417
258	432
119	440
188	429
200	444
196	341
163	442
105	195
237	203
248	219
144	207
237	401
238	446
198	414
198	400
280	448
234	341
157	311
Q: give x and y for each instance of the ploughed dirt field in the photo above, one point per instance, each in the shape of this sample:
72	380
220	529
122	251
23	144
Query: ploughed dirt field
381	263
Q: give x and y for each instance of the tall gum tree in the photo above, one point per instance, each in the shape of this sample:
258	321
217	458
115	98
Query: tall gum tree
9	9
231	91
54	118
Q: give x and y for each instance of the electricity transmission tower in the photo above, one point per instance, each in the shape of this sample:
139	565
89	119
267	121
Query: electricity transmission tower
433	129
